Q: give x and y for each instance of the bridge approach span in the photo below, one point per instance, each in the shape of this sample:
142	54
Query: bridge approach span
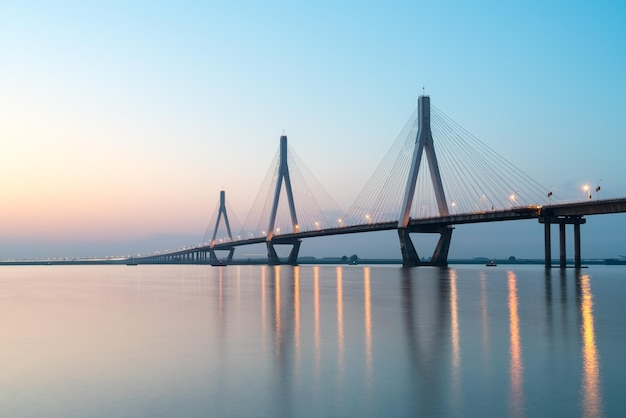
561	213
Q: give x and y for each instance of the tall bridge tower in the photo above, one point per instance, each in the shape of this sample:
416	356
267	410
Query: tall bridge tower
221	212
283	175
424	143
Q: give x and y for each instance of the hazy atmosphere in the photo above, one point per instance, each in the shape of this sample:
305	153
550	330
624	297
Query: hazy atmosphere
120	123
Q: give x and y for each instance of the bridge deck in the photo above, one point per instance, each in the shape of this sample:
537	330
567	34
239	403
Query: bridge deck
516	213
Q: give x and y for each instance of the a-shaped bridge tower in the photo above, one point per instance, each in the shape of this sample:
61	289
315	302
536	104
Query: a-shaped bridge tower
221	213
283	175
424	143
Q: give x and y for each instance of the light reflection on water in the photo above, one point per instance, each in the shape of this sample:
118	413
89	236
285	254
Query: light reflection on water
592	401
484	319
340	354
455	341
517	394
368	330
310	341
316	310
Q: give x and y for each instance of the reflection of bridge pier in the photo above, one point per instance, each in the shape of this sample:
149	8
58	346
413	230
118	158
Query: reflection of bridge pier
424	338
575	220
283	304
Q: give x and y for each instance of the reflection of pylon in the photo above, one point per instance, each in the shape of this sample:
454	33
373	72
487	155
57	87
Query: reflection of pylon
222	211
283	174
424	142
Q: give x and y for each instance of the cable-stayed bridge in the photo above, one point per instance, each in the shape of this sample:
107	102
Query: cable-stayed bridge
434	176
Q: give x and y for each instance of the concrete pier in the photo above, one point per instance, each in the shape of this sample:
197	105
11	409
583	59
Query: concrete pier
562	221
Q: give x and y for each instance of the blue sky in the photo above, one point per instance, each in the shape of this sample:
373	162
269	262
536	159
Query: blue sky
120	122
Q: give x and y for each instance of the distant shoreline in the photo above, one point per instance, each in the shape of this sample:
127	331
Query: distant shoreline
306	261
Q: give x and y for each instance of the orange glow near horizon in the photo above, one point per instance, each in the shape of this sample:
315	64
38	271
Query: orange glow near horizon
516	367
95	213
61	190
592	399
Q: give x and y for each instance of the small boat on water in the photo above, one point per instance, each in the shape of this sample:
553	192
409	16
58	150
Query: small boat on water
491	263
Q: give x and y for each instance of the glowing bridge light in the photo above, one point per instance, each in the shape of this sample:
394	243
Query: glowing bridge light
368	218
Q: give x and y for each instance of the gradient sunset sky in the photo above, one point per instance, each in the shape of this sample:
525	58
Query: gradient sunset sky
120	122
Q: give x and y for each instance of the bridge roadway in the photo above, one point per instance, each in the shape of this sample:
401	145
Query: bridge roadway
560	213
503	215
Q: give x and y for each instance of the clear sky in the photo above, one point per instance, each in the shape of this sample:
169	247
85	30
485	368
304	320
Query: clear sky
120	122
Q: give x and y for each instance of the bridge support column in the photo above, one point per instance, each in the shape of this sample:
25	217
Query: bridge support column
577	257
562	259
440	255
562	221
424	144
292	259
547	245
410	258
409	255
216	261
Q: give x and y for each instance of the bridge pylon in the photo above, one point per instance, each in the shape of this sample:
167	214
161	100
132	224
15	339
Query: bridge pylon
222	212
283	175
424	144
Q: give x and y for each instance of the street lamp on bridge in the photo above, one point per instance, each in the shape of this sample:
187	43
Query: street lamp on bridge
587	191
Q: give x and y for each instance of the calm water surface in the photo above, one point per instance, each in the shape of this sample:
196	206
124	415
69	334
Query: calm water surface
200	341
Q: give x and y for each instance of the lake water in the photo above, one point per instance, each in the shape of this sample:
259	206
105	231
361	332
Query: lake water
308	341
